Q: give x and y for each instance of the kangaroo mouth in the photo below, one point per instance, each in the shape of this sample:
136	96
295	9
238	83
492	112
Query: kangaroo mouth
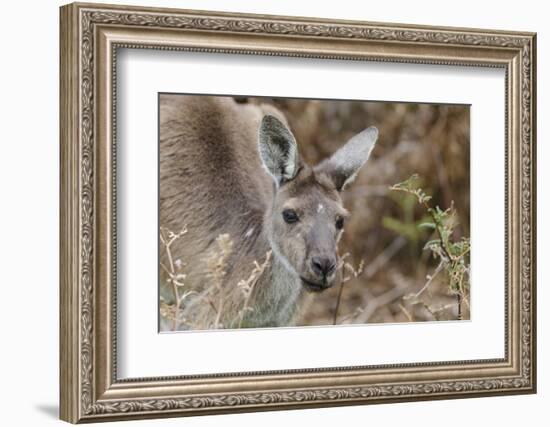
313	286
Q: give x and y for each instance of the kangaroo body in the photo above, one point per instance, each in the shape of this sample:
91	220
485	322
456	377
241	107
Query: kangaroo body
212	182
228	168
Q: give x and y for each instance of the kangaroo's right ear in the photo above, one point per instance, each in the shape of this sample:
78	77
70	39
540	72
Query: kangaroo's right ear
344	165
278	149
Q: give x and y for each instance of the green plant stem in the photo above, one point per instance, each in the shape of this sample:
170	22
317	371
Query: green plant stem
437	227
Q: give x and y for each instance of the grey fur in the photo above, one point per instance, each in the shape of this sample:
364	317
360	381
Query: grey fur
214	154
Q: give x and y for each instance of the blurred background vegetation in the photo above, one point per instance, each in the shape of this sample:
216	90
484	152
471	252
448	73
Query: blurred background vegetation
388	264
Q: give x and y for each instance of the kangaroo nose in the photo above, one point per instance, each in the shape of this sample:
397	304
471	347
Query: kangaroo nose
323	266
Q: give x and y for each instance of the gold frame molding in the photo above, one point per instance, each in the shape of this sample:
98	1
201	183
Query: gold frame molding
90	37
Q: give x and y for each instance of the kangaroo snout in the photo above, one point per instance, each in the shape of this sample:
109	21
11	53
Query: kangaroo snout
323	266
321	273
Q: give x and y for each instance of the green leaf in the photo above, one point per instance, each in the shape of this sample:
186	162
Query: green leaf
407	230
430	225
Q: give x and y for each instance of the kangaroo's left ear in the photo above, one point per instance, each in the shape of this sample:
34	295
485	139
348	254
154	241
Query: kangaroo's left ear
278	150
343	166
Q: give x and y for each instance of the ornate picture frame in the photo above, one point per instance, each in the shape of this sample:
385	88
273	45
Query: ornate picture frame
90	37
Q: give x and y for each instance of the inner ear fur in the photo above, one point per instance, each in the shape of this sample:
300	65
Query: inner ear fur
342	167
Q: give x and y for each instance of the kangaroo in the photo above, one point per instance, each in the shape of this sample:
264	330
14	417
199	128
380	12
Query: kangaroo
234	168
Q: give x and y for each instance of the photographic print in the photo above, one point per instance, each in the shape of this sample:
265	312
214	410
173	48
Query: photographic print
278	212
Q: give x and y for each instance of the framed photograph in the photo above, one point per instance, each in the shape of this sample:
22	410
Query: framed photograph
265	212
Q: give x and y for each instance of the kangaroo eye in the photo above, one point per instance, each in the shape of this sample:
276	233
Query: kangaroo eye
290	216
339	222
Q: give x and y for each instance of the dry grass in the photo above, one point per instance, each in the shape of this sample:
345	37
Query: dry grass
176	278
248	286
219	305
389	277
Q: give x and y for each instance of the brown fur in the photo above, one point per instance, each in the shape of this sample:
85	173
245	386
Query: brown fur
213	182
209	182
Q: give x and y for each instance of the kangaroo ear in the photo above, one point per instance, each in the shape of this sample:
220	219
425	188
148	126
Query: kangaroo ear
278	149
343	166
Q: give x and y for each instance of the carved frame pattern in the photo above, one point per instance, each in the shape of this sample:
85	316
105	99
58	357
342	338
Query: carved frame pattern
81	399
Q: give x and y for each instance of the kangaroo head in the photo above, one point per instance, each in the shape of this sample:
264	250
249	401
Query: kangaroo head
307	217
